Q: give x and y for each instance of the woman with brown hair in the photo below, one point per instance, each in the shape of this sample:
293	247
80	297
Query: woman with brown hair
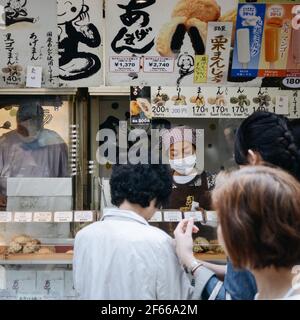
259	227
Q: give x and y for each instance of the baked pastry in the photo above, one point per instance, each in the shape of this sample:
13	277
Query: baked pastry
145	106
134	108
22	239
170	37
70	252
197	31
198	100
32	246
14	247
179	101
46	250
204	10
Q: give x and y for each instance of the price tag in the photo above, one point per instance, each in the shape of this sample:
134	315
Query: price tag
157	217
83	216
28	296
200	111
5	216
158	65
42	216
200	71
34	77
65	216
124	64
23	217
172	216
197	216
282	105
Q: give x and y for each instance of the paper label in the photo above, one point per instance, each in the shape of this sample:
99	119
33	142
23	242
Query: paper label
197	216
5	217
158	65
34	77
23	217
157	217
172	216
83	216
42	216
66	216
124	64
200	71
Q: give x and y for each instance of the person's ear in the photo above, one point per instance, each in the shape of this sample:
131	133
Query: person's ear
254	158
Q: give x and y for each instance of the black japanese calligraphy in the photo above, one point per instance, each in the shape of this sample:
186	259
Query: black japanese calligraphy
75	28
135	36
16	12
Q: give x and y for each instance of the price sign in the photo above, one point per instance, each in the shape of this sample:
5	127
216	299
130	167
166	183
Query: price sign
5	216
124	64
66	216
158	65
197	216
157	217
23	217
83	216
42	216
172	216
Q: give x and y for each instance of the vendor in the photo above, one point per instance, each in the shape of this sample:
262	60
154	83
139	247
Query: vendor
191	186
31	150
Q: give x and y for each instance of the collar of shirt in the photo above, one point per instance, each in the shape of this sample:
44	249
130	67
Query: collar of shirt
123	215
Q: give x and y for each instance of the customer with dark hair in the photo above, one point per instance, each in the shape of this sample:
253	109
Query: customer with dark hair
122	256
295	128
262	138
259	227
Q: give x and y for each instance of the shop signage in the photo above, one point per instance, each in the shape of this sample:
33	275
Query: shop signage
222	102
167	36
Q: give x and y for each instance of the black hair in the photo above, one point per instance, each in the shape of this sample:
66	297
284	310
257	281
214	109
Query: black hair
140	184
295	128
269	135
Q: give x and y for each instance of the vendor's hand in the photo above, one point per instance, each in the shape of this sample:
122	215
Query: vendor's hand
184	241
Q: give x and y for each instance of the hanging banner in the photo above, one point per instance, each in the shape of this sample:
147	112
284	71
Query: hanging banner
222	102
28	38
80	25
166	36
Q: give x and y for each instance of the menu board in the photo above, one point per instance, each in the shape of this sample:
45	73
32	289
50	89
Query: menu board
147	41
222	102
28	37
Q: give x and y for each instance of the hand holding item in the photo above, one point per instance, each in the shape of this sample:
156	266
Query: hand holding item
184	241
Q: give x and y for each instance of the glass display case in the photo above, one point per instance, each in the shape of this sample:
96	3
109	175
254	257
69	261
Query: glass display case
40	190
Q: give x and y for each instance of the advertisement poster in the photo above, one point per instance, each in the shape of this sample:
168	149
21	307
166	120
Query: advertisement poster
279	44
142	45
28	39
140	105
80	26
248	40
222	102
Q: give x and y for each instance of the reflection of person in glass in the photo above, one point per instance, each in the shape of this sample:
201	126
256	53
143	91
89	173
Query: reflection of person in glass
190	186
31	150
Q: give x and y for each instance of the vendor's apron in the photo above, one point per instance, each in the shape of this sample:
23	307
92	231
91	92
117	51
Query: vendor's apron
182	197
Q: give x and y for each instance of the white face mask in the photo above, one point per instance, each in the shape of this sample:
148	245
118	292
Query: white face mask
184	166
33	133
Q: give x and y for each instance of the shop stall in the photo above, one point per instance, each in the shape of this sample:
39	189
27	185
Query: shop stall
207	69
